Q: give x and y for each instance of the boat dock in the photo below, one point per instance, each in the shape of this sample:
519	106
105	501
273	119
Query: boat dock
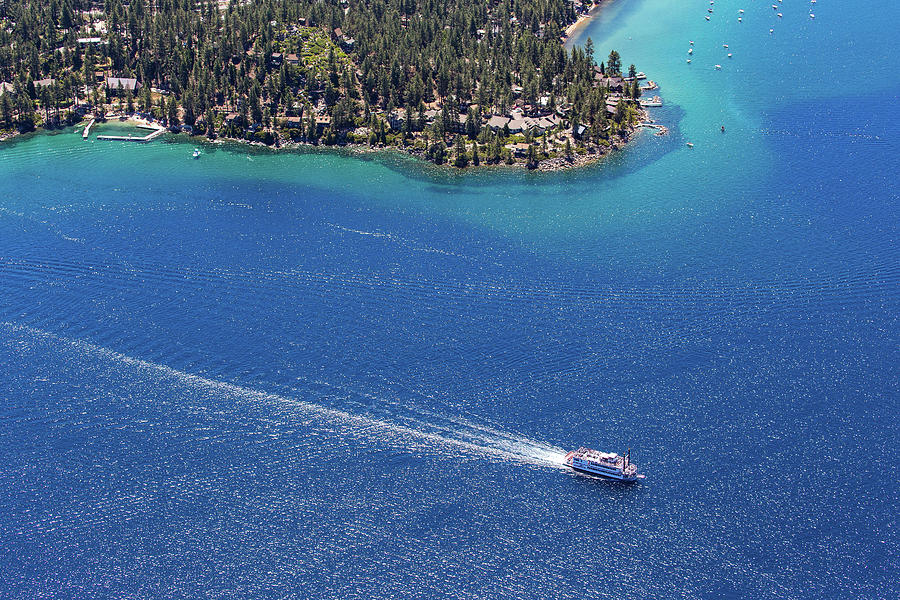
87	130
130	138
660	129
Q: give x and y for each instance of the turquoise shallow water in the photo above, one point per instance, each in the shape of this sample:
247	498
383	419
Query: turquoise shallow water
313	375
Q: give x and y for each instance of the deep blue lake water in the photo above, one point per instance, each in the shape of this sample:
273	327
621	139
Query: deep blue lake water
311	375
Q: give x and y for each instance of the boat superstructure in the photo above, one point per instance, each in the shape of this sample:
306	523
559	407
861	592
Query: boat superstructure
605	464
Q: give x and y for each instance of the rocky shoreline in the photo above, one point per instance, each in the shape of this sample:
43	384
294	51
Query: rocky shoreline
547	165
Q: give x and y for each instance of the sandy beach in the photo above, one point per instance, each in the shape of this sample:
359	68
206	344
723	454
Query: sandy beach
579	24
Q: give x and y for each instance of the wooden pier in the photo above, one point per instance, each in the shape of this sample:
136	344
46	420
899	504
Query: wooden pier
87	130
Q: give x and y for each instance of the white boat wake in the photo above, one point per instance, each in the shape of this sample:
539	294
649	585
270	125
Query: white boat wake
416	427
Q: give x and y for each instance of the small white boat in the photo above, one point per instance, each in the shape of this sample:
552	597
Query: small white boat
771	31
780	15
718	67
740	19
690	50
196	152
690	145
689	61
707	17
729	55
692	42
725	45
812	16
741	11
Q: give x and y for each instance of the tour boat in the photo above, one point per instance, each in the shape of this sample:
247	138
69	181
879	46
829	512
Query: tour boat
605	464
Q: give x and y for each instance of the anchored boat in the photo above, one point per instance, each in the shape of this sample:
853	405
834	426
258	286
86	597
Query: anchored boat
605	464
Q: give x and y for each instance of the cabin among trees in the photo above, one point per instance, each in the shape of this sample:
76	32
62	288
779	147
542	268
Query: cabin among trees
121	86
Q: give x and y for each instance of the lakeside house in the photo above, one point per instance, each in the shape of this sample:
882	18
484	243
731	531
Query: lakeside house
323	122
613	84
519	150
44	82
6	87
397	119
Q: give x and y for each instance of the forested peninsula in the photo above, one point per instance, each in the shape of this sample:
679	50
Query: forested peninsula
459	82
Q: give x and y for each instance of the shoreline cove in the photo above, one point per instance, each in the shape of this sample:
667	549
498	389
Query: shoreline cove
527	147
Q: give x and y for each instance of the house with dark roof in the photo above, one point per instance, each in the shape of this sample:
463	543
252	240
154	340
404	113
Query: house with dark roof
397	119
613	84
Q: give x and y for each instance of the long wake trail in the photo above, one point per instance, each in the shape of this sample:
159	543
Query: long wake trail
417	426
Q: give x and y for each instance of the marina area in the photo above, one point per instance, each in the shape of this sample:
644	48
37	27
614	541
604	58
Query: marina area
125	129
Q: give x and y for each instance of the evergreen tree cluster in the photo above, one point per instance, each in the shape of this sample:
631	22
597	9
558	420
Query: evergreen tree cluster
359	60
